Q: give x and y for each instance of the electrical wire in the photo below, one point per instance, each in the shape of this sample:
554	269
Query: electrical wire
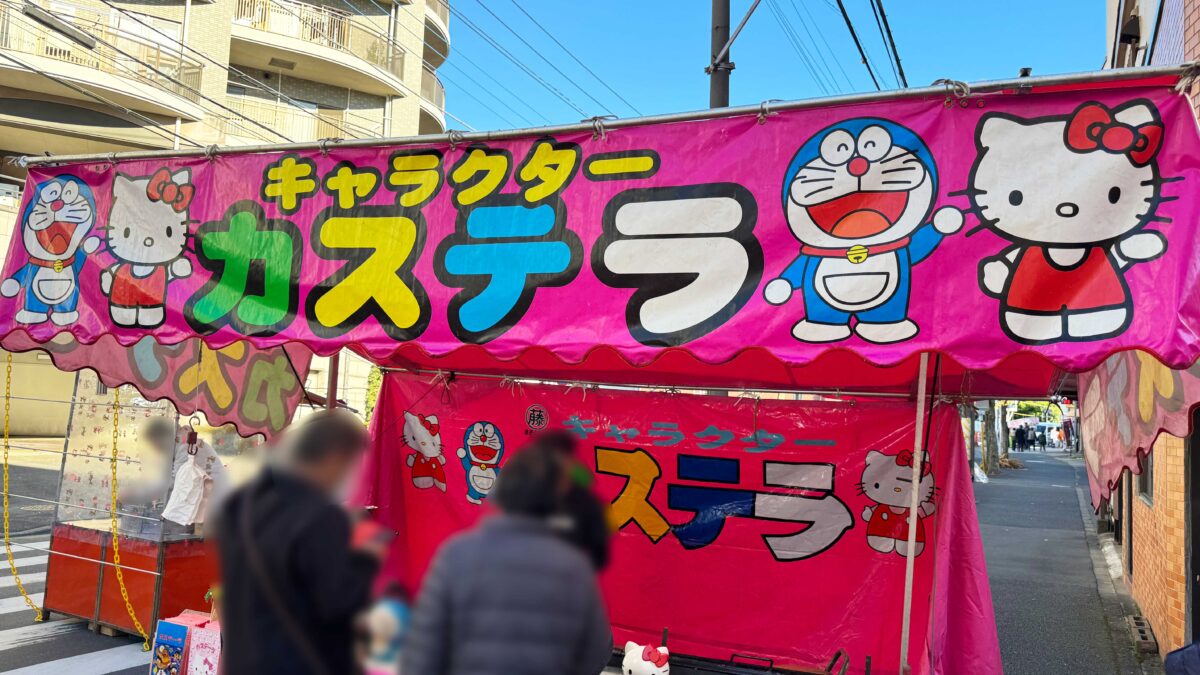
542	56
797	47
854	35
515	61
887	29
572	55
883	38
829	50
815	52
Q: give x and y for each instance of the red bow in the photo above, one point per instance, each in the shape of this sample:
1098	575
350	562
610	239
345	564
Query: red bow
1093	127
162	188
906	458
654	656
432	427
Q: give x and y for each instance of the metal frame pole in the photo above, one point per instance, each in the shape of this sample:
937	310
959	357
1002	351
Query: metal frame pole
718	71
914	504
331	387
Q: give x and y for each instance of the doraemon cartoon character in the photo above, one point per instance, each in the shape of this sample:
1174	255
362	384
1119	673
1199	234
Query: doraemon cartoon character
55	221
483	447
858	196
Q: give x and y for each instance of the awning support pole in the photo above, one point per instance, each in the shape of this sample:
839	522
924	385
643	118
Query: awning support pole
914	504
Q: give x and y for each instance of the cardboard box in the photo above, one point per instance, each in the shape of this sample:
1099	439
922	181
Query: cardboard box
169	651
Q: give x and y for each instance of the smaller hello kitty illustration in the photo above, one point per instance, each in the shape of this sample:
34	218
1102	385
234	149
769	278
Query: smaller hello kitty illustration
423	434
887	481
645	660
483	448
1073	193
147	233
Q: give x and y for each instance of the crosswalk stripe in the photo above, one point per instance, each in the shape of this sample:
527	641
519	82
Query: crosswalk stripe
9	581
31	560
35	633
17	604
106	661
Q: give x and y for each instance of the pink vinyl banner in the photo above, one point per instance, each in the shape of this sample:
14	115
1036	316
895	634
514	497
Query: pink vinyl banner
1125	403
768	528
257	390
1059	220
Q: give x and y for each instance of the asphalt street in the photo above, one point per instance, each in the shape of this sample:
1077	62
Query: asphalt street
1049	612
27	486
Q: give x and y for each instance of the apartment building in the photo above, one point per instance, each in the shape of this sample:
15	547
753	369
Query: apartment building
95	76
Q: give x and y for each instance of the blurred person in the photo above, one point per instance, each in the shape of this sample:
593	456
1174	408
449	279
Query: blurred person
293	583
583	520
512	597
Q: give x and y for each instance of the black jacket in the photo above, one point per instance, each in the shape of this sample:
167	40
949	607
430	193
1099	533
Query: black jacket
304	542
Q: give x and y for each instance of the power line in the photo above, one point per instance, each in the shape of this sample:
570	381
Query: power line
797	47
573	56
891	41
883	38
813	42
854	35
517	62
836	61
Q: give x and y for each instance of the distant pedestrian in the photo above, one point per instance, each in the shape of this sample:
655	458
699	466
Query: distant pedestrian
1041	439
1020	434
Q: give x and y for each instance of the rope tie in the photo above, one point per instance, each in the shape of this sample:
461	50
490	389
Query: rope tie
454	137
210	152
323	145
764	110
514	386
1188	77
599	132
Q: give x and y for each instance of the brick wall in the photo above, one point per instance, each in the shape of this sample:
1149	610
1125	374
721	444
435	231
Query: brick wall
1159	580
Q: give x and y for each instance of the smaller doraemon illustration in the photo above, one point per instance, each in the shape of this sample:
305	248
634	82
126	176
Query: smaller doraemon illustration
483	447
55	222
147	233
859	197
887	481
423	435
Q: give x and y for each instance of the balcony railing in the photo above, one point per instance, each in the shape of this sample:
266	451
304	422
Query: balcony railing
323	26
432	88
298	124
441	8
131	56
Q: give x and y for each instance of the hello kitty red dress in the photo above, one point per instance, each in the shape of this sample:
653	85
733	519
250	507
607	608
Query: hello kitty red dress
1041	285
428	467
892	523
130	290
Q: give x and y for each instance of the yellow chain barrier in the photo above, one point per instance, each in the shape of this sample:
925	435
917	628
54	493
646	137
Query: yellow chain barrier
12	564
113	514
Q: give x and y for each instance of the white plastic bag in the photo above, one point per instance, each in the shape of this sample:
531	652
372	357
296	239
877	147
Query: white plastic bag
187	497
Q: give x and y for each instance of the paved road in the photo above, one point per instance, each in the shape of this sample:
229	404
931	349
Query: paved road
1049	612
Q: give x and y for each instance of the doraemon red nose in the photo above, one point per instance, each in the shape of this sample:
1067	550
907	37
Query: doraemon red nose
859	214
859	166
57	204
56	238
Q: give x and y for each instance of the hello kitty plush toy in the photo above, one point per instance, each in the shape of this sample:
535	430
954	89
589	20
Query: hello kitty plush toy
1073	193
646	660
423	434
147	233
887	481
54	223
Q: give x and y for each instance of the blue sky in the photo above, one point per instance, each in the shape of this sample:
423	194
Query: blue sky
652	52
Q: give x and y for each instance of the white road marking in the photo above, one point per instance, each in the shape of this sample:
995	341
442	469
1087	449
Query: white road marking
32	560
9	582
106	661
17	604
37	633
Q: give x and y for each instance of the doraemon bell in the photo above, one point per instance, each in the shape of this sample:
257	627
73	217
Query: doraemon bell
858	196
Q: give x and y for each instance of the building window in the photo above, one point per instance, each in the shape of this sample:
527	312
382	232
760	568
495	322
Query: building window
1145	479
101	390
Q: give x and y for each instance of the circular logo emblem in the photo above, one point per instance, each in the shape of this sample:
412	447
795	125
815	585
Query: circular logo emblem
536	418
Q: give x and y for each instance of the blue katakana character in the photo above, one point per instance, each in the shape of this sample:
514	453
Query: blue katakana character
621	435
503	250
668	433
580	427
716	437
712	505
763	441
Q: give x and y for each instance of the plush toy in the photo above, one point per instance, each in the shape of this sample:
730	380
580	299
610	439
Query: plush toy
646	660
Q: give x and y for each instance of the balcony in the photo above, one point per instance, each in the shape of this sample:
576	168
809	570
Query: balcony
437	31
301	125
433	103
316	43
149	76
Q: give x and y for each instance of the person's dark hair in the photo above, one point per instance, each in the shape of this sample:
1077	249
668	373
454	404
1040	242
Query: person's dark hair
326	433
159	429
532	482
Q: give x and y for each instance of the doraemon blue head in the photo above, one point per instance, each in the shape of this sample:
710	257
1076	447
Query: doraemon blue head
57	217
484	443
863	181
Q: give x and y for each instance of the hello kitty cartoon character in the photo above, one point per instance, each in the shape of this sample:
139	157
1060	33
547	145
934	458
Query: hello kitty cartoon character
54	224
645	660
887	481
423	434
147	233
1073	193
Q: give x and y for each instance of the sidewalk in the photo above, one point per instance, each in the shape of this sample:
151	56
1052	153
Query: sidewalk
1054	613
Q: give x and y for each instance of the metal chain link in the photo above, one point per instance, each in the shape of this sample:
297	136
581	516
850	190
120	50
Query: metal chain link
116	408
12	564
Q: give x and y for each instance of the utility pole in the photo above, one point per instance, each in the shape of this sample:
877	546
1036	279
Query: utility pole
720	65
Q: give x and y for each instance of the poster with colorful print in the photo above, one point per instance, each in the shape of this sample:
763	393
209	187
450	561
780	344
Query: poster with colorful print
1054	220
775	528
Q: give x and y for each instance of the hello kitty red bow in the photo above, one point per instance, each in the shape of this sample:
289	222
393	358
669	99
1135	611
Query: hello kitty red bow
906	457
1093	127
432	427
162	189
654	656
